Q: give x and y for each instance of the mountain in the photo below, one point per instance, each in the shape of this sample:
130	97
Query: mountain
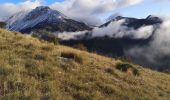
34	69
134	22
44	18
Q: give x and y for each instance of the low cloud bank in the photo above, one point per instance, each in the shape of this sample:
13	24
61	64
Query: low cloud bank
116	30
154	53
71	35
157	52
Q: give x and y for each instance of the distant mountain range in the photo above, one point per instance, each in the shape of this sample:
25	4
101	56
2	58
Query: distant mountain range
136	23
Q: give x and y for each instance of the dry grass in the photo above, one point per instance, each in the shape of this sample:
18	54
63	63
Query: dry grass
32	70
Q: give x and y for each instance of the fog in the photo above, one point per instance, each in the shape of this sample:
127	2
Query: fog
157	52
151	54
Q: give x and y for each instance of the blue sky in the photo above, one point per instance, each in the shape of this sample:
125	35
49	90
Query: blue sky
147	8
18	1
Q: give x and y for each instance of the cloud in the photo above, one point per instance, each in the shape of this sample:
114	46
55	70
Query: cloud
85	10
116	30
72	35
112	30
156	52
113	16
8	9
91	11
126	3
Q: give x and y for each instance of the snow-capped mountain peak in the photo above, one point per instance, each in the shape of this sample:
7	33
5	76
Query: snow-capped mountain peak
43	11
44	18
28	19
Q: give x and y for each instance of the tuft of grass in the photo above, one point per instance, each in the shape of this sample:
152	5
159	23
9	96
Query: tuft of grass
5	71
80	47
72	56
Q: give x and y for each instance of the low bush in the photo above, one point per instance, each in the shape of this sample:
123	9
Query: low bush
124	67
2	24
40	57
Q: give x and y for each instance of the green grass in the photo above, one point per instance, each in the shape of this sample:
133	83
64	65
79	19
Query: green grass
31	69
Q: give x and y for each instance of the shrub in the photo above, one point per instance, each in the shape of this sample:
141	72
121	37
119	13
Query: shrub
40	57
136	72
2	24
124	67
110	71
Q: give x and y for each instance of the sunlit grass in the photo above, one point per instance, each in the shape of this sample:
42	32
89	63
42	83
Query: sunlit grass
31	70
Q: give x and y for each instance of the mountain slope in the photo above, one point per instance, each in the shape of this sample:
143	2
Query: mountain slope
33	69
44	18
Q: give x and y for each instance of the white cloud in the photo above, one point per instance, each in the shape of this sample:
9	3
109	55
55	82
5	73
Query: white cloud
72	35
8	9
116	30
90	11
112	30
125	3
85	10
156	51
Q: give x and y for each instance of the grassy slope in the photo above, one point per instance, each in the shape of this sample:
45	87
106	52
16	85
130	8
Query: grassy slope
33	69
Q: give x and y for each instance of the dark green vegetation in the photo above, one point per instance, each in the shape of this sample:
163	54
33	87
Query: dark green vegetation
2	24
31	69
47	36
125	67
